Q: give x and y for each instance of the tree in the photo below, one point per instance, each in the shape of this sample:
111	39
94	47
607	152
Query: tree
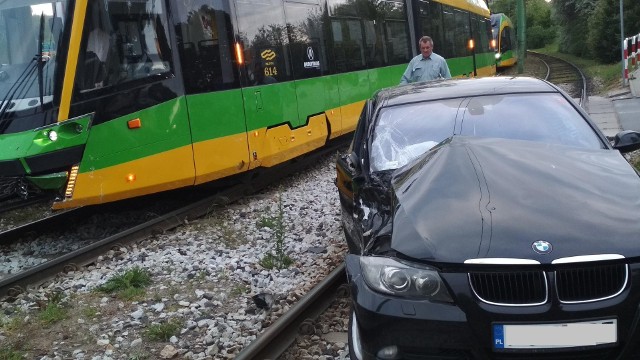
603	39
541	30
573	19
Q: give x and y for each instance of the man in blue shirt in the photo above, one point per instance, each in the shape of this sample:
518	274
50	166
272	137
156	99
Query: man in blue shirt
426	66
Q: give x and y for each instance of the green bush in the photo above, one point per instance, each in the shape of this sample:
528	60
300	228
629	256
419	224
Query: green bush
539	36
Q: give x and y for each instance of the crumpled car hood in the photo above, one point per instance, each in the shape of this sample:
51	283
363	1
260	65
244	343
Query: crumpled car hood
493	198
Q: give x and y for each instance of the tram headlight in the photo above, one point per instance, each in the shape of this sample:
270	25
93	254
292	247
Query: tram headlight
498	55
52	135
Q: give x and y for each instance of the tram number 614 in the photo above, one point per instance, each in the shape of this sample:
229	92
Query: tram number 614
270	71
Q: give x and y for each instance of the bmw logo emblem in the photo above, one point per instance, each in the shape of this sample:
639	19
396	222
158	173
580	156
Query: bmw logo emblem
542	247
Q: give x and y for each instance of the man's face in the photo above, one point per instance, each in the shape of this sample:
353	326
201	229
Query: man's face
426	49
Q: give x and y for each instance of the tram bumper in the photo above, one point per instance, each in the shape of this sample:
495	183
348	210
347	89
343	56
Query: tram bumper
42	157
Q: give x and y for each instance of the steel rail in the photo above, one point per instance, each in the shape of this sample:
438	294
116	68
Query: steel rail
277	338
584	98
6	206
67	216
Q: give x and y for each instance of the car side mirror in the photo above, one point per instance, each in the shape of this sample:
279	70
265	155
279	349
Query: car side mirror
627	141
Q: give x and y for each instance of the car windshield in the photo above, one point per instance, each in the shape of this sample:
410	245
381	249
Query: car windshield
24	46
405	132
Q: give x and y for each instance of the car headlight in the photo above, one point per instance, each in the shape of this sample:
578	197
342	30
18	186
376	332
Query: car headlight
393	277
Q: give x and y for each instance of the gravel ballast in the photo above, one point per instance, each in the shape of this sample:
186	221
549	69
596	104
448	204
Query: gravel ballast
204	276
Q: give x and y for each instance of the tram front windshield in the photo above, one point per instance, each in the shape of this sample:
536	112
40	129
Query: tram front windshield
30	34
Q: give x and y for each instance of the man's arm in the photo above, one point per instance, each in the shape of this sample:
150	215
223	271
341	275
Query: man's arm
406	77
444	70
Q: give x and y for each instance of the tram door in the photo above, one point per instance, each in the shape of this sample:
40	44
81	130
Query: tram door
309	60
212	85
270	102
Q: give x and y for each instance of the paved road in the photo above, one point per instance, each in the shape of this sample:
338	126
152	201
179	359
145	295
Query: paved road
628	111
620	110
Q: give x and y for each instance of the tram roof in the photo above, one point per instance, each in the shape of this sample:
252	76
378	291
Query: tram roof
474	6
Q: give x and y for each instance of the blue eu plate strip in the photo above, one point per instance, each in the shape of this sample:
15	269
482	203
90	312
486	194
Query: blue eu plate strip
498	337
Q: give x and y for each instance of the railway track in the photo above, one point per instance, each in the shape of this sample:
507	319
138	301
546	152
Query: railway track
8	205
566	75
283	331
180	212
88	253
299	320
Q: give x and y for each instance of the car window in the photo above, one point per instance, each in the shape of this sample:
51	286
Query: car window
405	132
547	118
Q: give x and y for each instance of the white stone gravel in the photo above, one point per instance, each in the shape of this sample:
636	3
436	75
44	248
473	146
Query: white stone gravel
204	276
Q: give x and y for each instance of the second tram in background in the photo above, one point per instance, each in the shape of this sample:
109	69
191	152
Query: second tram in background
102	100
505	42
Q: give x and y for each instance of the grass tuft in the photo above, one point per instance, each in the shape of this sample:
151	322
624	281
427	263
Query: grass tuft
54	311
7	353
129	284
163	331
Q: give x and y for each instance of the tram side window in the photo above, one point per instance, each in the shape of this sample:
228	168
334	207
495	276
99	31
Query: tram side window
480	34
505	40
205	45
263	35
373	53
462	33
306	40
432	23
342	8
123	42
373	21
475	33
397	43
4	42
489	34
449	26
348	44
397	40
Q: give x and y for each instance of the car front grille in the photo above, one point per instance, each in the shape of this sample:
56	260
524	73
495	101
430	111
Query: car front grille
518	288
527	288
591	283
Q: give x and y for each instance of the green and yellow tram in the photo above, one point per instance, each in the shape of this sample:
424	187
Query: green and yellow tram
104	100
504	37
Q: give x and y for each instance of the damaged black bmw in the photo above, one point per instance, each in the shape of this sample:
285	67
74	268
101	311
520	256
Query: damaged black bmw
489	218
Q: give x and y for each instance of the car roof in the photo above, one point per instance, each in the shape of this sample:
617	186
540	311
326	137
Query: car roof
464	87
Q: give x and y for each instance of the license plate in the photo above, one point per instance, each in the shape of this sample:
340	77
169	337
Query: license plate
550	336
